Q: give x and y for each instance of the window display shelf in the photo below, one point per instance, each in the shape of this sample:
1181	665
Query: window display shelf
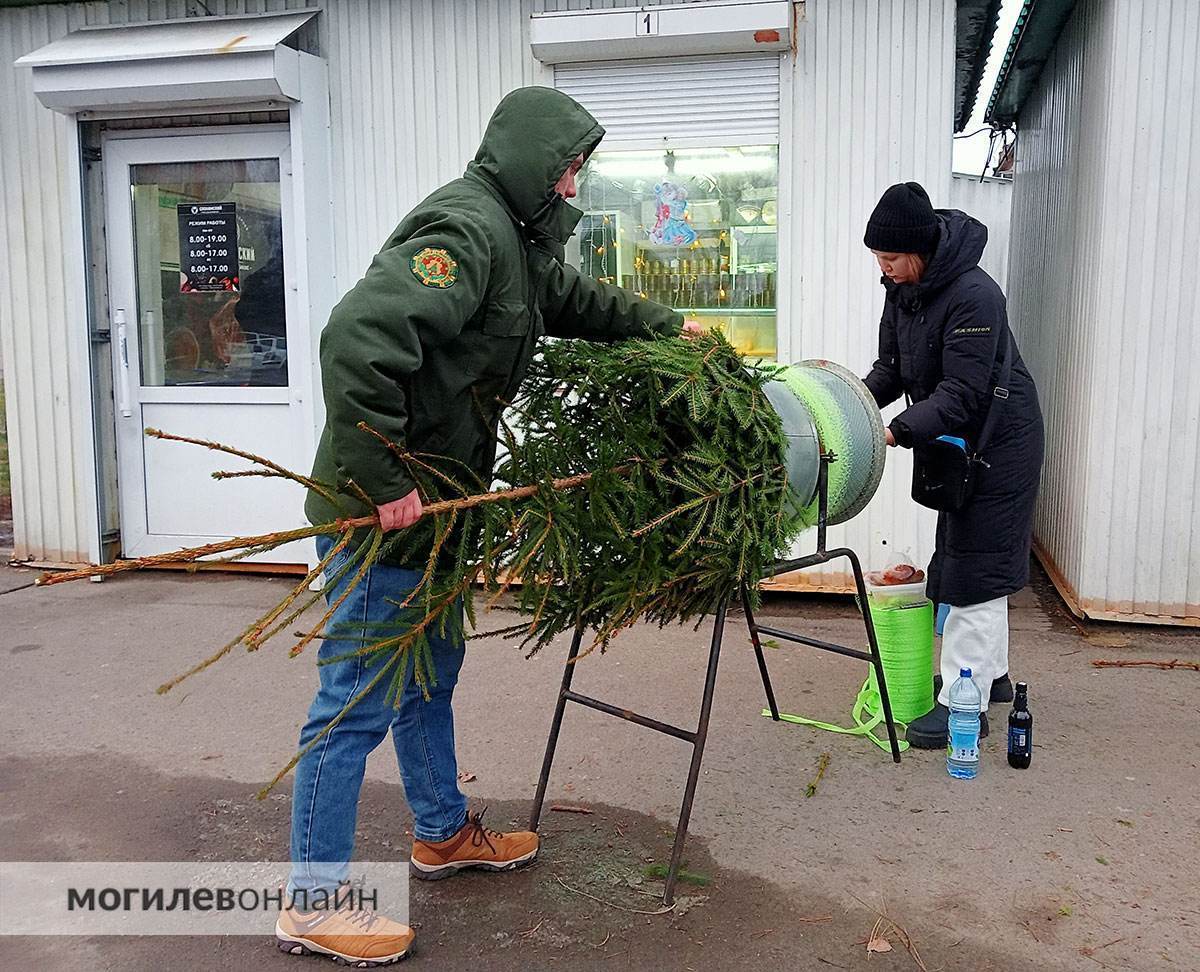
692	228
729	311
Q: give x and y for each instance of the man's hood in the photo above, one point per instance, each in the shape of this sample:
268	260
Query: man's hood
533	136
961	241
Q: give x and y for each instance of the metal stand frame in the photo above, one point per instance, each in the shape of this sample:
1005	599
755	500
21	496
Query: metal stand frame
698	737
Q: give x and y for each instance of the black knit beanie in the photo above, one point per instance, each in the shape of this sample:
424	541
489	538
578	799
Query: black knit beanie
903	221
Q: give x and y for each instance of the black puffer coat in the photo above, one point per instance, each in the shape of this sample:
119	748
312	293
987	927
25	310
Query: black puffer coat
937	344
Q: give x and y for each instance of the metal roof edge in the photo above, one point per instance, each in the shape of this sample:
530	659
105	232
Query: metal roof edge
1033	39
975	23
169	39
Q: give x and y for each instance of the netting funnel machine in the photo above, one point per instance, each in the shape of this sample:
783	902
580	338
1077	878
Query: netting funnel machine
835	458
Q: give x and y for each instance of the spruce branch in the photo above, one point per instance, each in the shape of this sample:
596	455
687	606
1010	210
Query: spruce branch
372	548
269	541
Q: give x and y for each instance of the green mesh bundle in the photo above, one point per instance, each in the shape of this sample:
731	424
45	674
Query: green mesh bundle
847	425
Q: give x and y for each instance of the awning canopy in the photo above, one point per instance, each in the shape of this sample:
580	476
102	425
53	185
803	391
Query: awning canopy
202	62
974	29
1036	32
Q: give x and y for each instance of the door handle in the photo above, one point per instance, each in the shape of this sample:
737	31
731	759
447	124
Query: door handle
123	397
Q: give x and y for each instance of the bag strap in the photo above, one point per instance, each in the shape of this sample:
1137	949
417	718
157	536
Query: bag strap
999	394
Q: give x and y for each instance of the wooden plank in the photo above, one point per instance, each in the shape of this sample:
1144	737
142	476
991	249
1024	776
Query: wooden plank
801	582
1088	611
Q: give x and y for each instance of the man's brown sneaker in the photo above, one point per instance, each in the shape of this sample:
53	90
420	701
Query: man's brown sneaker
473	846
361	939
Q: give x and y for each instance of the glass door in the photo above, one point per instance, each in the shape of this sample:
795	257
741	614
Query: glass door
197	234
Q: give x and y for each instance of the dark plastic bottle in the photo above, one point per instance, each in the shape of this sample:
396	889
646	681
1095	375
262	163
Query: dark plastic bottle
1020	730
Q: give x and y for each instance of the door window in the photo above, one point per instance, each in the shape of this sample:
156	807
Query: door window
210	277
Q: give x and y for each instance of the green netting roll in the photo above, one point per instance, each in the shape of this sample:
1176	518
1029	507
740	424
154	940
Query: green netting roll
905	636
847	424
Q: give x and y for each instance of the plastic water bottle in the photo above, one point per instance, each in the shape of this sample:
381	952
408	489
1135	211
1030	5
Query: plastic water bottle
962	755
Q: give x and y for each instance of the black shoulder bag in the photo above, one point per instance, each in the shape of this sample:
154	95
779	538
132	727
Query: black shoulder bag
944	472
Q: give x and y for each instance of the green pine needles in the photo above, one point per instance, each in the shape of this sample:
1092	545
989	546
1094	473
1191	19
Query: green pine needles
688	500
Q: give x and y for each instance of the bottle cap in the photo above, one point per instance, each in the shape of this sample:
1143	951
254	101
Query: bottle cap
965	672
1022	688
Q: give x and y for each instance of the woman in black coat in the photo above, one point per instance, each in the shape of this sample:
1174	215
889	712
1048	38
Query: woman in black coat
942	343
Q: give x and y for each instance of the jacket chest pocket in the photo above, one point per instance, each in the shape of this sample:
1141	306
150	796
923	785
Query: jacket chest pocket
497	346
920	357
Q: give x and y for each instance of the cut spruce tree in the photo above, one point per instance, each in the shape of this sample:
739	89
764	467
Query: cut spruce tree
640	481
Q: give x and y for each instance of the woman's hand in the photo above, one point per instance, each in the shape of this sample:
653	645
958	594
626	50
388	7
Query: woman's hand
691	329
889	438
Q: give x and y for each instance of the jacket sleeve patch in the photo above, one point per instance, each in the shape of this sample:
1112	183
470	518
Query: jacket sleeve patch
435	267
972	330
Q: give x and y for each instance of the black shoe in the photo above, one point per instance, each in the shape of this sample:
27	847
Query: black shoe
1001	694
931	731
1002	690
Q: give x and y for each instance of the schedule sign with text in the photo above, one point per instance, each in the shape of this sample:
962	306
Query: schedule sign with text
208	247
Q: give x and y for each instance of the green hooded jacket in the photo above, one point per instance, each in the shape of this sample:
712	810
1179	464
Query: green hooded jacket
443	325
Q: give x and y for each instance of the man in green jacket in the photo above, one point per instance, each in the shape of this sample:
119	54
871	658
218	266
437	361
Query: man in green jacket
424	349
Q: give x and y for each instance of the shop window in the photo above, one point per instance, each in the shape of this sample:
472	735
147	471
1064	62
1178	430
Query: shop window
693	228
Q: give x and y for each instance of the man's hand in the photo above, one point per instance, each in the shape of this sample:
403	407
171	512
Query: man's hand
401	513
691	329
888	437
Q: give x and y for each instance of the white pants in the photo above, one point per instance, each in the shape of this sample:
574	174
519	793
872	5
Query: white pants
975	637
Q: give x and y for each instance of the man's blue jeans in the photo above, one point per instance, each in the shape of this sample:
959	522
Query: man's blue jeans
328	778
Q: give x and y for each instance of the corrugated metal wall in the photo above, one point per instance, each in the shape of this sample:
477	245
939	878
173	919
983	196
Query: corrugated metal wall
1052	328
866	103
990	202
1107	305
436	70
44	398
1144	494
